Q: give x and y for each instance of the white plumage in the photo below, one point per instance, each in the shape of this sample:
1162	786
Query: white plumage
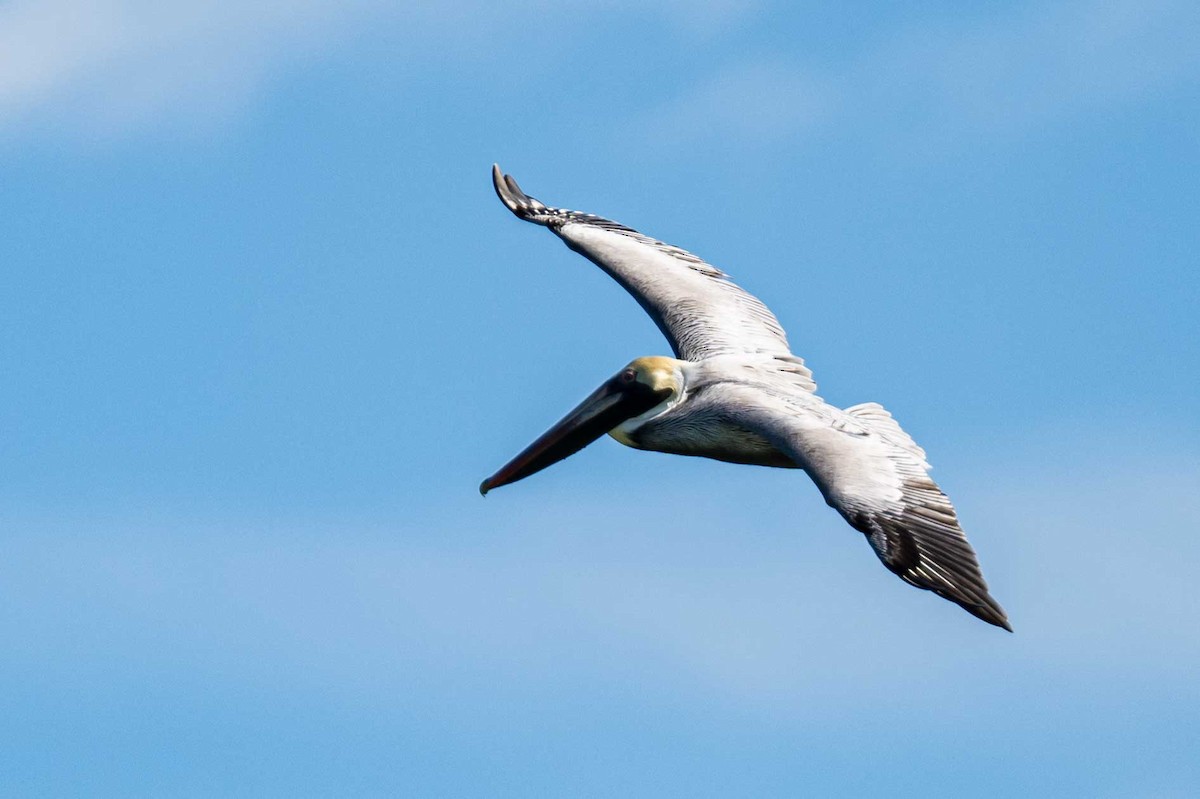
735	392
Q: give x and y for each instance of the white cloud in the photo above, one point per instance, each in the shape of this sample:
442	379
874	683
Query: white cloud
773	605
106	67
1037	63
984	76
755	103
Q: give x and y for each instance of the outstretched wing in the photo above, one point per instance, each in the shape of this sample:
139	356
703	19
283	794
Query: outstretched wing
877	478
698	308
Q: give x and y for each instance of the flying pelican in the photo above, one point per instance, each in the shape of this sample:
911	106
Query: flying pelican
735	392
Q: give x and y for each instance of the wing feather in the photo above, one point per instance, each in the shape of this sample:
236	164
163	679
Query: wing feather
877	478
701	311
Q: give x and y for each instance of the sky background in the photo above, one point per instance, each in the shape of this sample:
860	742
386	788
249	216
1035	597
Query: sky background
265	327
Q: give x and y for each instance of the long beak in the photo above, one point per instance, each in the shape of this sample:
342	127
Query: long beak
614	402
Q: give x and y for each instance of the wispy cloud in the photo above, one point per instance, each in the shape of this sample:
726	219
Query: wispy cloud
983	76
755	103
105	67
795	613
1036	64
112	66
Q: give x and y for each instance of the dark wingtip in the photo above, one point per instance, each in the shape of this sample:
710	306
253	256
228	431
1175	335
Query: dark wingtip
1003	623
502	189
989	611
513	198
999	621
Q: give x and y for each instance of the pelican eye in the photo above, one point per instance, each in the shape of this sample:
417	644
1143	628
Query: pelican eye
628	376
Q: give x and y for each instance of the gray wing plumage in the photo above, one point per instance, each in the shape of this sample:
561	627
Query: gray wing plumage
877	478
698	308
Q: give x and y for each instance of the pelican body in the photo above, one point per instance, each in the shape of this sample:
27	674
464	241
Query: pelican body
735	392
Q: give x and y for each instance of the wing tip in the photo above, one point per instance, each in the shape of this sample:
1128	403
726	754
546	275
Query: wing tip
988	610
923	562
976	600
513	198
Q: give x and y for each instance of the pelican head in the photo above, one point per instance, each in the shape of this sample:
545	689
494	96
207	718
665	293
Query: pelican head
640	391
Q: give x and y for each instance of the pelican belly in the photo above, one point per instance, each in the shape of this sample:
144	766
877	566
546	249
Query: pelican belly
704	436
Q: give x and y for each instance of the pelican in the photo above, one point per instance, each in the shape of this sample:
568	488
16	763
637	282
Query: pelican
735	392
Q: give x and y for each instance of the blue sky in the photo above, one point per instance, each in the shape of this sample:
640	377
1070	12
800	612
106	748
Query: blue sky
265	327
